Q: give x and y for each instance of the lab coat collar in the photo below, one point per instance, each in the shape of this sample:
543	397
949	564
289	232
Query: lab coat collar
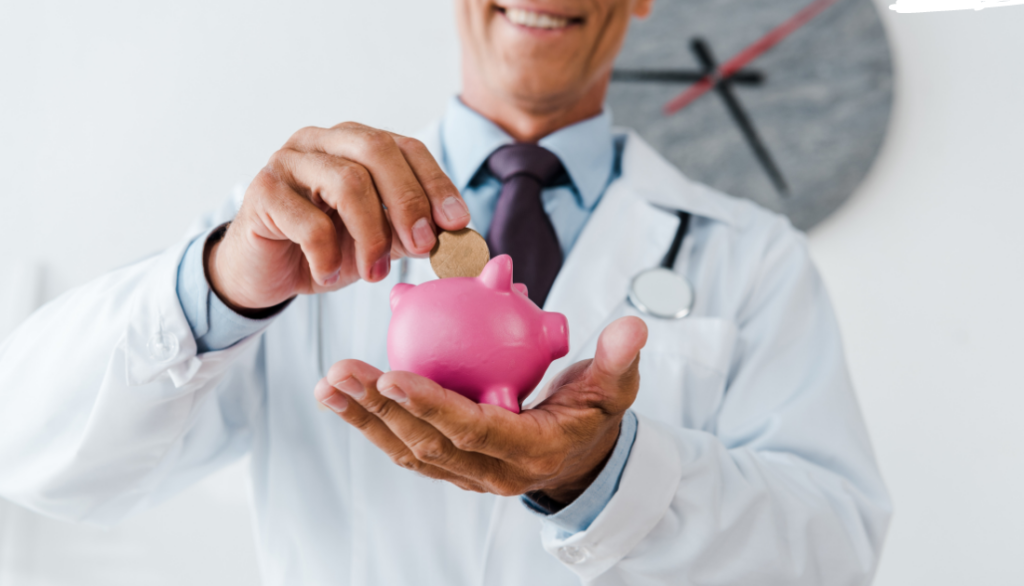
659	182
644	171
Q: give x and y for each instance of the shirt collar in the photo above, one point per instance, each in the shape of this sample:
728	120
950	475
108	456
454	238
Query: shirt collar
586	148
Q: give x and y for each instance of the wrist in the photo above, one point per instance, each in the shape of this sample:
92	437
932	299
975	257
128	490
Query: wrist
219	281
566	491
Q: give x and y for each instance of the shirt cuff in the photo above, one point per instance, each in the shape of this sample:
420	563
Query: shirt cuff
579	514
215	326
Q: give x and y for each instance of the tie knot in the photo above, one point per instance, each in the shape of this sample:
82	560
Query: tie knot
524	158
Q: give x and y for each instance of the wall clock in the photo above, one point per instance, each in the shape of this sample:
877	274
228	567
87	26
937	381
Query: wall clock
784	102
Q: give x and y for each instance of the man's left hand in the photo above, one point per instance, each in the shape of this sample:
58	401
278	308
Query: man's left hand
559	447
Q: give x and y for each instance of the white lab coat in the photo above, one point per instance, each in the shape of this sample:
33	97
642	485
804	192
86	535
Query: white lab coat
751	463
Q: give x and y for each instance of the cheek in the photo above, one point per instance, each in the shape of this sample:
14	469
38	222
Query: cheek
474	21
610	37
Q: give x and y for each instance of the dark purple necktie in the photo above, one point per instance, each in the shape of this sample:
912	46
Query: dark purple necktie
520	227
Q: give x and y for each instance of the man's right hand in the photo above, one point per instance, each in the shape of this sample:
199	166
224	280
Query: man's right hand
314	219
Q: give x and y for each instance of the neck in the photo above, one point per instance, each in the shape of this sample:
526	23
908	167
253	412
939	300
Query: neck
529	120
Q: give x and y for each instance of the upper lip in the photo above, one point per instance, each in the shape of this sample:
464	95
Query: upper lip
570	17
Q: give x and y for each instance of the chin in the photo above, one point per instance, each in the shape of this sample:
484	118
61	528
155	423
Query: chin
538	88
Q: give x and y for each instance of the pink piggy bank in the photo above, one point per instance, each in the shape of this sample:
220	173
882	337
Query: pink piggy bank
481	337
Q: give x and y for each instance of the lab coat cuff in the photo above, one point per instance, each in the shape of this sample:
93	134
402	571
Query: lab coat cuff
215	326
649	483
159	338
579	514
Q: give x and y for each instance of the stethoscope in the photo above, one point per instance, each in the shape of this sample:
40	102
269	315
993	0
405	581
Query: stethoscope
659	292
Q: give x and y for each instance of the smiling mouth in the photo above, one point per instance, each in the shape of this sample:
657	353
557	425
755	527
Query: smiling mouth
537	20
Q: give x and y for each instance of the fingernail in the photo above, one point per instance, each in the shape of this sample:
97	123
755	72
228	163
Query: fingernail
335	402
333	278
395	394
423	234
454	209
381	267
351	387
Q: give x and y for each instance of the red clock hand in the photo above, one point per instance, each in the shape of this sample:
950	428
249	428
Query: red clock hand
747	55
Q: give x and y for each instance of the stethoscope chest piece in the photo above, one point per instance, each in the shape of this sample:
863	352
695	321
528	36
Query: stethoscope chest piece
661	292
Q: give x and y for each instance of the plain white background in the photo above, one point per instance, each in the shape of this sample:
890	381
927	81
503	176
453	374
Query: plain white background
120	122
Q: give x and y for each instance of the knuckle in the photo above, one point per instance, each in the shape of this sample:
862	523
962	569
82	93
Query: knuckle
438	183
547	467
382	408
352	179
429	411
376	141
431	450
265	181
319	231
468	486
472	440
408	461
348	125
361	421
321	226
409	198
304	134
409	143
507	487
376	245
277	160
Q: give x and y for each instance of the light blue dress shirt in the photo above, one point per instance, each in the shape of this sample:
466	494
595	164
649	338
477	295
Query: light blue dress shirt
587	150
591	157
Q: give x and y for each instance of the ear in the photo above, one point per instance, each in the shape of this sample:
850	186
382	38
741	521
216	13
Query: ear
521	287
642	8
396	293
497	273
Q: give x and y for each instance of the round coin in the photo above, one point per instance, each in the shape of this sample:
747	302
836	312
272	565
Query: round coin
462	253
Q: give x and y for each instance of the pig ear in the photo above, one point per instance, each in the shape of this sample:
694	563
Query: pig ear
396	293
521	288
497	273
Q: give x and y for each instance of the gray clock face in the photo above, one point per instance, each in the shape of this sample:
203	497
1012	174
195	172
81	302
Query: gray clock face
819	111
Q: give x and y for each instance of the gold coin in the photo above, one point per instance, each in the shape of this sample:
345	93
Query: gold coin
462	253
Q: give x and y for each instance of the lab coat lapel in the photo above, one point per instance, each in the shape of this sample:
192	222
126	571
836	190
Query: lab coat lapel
630	231
624	235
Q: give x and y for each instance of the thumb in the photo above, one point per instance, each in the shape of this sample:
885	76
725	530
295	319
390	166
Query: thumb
617	360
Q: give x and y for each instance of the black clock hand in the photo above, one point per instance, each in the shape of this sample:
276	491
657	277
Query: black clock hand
684	76
724	89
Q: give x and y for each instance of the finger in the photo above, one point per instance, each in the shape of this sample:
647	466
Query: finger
289	216
397	185
484	429
617	360
347	187
427	443
446	203
379	435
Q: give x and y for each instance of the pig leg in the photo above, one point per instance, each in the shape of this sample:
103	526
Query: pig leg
502	397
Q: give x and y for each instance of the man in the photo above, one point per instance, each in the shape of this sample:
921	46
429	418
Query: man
732	452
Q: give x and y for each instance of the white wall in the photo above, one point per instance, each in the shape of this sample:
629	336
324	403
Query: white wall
121	121
926	269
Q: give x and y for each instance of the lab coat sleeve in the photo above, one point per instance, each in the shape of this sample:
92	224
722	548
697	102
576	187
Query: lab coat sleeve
105	407
785	490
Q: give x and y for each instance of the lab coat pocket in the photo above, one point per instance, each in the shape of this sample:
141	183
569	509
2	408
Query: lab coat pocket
684	368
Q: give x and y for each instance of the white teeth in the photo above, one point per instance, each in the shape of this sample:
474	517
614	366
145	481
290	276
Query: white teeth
535	19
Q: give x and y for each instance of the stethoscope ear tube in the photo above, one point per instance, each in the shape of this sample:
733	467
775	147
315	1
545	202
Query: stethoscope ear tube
661	292
669	262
